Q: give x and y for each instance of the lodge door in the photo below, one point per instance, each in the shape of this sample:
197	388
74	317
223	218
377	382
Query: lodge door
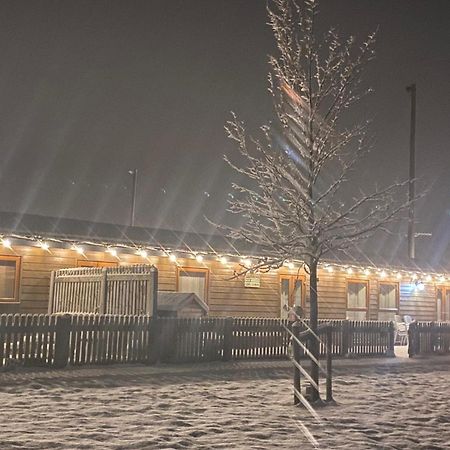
443	304
291	293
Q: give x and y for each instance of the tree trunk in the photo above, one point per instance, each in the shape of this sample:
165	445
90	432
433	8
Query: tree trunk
313	315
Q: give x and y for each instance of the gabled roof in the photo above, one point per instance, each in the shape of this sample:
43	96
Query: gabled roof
107	233
384	252
174	301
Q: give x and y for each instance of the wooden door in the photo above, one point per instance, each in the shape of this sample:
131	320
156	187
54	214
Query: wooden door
292	292
443	304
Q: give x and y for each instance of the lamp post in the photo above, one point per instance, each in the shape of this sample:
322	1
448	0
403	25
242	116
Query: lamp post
133	195
412	172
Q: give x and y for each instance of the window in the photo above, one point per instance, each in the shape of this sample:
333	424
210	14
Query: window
84	263
387	301
357	300
9	278
193	280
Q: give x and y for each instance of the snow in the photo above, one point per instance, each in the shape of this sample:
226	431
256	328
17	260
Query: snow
381	404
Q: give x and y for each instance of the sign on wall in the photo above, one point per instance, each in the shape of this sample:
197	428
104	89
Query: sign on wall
252	280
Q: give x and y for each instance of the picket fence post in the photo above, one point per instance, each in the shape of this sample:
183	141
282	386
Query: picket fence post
228	339
62	341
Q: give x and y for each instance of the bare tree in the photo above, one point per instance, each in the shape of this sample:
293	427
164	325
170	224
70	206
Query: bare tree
295	174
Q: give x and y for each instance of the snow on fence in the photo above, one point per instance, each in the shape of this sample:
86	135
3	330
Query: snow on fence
58	340
356	338
127	290
428	337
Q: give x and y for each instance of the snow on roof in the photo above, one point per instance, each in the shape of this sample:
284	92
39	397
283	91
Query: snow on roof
174	301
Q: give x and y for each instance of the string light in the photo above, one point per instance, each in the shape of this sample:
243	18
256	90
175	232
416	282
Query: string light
6	243
142	253
247	262
112	252
44	245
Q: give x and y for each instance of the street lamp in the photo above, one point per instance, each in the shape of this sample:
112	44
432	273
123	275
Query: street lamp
133	196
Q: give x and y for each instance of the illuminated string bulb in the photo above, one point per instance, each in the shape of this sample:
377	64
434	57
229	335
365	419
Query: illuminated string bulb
6	243
172	257
246	262
399	276
329	269
349	270
44	245
142	252
223	259
383	274
112	252
199	258
441	279
290	265
414	276
366	272
428	278
78	249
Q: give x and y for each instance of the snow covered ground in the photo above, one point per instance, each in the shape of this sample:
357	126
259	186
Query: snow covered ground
234	406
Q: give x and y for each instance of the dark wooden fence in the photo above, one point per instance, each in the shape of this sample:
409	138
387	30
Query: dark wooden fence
428	338
356	338
58	340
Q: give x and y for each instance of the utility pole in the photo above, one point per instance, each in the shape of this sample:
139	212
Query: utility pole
412	172
133	196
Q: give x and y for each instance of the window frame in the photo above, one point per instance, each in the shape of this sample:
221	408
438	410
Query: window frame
292	279
397	297
366	308
18	261
187	269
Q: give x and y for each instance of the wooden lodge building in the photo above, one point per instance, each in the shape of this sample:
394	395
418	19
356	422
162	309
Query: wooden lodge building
32	246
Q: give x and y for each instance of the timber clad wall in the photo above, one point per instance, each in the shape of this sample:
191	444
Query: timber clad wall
225	296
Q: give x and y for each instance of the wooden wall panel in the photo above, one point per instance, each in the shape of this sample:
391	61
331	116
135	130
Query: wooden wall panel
226	296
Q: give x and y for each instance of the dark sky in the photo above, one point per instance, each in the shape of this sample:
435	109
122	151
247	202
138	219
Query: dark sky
91	89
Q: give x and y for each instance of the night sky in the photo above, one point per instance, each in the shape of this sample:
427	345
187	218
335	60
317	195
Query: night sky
89	90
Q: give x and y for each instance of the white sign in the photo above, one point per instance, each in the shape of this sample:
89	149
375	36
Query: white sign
252	280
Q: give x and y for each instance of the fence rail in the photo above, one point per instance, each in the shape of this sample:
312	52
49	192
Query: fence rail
58	340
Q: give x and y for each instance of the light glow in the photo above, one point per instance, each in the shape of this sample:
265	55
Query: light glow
172	257
199	258
112	252
44	245
6	243
143	253
223	259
